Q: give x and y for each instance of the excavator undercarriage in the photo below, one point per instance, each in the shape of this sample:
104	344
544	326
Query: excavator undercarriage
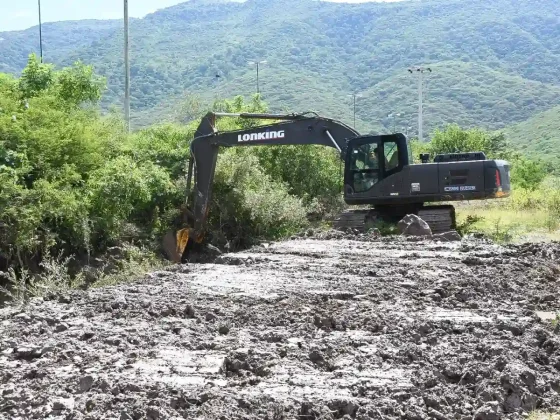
440	218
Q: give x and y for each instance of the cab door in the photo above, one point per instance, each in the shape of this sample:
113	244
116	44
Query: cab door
363	167
372	159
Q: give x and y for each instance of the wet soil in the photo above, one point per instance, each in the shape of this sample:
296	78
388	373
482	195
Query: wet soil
323	327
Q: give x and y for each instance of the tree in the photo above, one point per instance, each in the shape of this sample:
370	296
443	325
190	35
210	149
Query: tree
79	84
453	139
528	174
35	78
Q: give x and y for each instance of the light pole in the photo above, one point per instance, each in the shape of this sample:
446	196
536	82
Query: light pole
393	117
420	71
355	95
127	69
40	31
257	63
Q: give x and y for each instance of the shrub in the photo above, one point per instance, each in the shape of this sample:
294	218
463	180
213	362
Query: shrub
248	203
453	139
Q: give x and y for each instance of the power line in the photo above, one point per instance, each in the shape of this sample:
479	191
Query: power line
420	72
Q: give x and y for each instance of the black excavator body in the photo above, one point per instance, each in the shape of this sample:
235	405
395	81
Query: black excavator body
378	173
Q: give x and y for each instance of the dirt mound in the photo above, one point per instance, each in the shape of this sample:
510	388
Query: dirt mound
346	326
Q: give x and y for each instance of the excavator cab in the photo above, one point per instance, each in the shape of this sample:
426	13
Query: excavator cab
370	159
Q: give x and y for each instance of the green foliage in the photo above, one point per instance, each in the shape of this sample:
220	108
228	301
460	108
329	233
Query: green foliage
35	78
248	203
495	62
453	139
538	137
528	174
76	183
122	192
294	164
79	84
468	225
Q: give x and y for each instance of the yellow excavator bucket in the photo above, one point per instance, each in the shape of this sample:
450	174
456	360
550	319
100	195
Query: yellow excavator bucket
174	244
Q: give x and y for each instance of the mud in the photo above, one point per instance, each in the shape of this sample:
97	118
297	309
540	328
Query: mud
325	326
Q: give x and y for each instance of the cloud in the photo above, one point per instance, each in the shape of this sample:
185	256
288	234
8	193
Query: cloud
23	13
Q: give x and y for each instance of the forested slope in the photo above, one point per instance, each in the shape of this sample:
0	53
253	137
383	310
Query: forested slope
539	136
495	61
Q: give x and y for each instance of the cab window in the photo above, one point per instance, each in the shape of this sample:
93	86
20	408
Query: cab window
391	152
365	167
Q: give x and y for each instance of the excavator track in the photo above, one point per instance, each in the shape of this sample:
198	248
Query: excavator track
352	220
440	218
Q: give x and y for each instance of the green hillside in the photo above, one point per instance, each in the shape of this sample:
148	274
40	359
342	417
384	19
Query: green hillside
539	136
59	40
495	61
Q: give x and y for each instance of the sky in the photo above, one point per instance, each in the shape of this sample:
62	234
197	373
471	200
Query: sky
22	14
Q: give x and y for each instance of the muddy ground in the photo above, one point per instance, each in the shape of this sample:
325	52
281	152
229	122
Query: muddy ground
313	328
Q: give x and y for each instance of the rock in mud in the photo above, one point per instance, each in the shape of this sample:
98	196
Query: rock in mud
413	225
119	302
517	377
62	404
61	327
189	311
86	382
223	329
450	236
125	416
489	411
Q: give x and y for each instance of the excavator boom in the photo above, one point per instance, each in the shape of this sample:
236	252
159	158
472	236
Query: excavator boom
293	129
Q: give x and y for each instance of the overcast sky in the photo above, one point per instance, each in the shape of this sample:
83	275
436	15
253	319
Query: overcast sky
22	14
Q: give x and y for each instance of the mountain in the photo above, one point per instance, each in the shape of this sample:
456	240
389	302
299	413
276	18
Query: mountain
539	136
494	62
59	41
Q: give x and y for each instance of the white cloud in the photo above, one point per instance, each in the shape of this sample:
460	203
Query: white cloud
19	14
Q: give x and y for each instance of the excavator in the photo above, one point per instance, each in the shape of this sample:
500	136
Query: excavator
379	173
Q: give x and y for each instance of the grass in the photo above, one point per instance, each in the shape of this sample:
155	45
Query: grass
504	223
129	264
543	416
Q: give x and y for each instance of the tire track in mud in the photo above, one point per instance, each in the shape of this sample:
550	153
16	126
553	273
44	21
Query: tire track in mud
331	327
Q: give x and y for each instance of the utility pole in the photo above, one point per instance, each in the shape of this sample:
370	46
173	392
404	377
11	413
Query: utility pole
127	69
420	71
355	95
257	63
40	31
393	117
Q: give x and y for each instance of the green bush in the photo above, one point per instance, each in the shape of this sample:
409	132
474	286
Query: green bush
248	203
528	174
453	139
75	182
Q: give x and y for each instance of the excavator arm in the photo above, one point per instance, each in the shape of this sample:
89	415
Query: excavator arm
294	129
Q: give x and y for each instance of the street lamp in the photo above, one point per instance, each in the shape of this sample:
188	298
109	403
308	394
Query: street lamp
257	63
393	117
420	71
355	95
